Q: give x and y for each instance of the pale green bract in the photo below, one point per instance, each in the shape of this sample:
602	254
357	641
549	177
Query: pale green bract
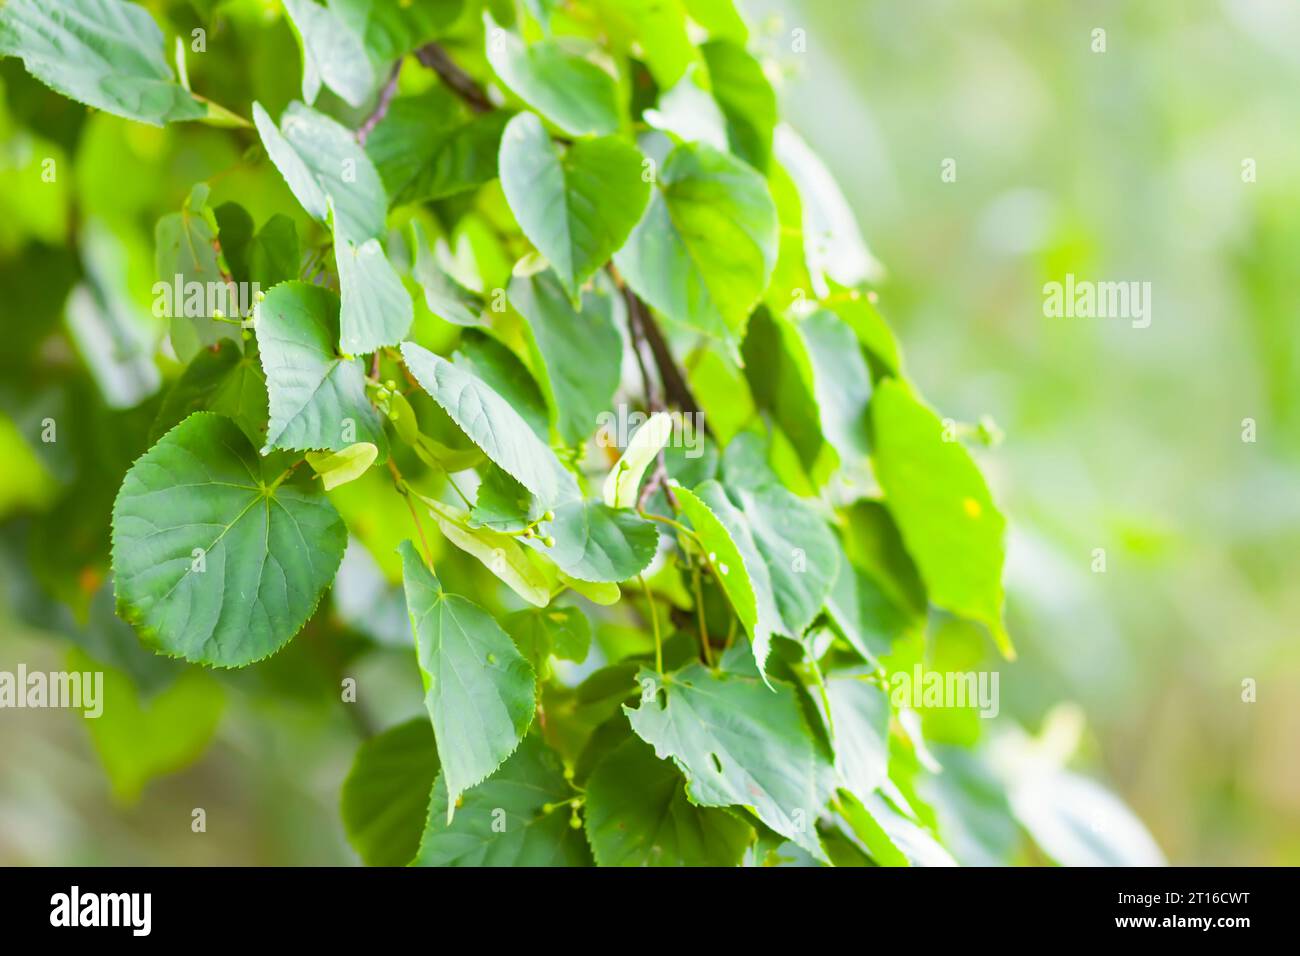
624	479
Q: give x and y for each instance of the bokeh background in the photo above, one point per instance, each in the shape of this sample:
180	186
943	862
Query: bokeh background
1118	165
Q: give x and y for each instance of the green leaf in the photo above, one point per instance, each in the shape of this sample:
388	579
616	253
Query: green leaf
740	743
320	160
216	558
376	309
659	29
801	554
841	383
317	396
746	98
539	633
719	17
624	479
138	738
386	793
858	313
332	54
499	553
889	836
688	111
223	380
864	613
333	179
594	542
273	256
445	297
479	690
503	372
833	244
104	53
576	204
1075	821
519	817
732	554
492	424
860	718
339	467
185	251
503	504
431	147
568	89
780	376
349	45
638	814
705	249
944	510
579	351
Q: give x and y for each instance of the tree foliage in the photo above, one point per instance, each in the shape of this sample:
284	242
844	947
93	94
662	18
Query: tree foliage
569	318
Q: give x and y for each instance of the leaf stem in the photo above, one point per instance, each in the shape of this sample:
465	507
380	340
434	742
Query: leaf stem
406	494
699	611
381	105
654	622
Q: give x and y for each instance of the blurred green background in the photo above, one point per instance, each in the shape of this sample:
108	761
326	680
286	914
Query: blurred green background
1122	165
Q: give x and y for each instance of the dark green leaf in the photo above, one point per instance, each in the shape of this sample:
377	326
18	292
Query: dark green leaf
216	558
479	690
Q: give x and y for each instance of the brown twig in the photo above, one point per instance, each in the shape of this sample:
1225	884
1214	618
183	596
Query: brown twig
676	391
381	106
436	58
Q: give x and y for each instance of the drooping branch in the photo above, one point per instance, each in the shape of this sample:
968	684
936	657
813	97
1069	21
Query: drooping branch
435	57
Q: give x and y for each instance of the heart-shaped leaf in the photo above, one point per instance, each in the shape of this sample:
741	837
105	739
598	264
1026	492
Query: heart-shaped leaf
576	204
218	558
705	249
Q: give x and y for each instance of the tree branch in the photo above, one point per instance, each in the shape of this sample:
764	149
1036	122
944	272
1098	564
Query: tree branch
381	106
436	58
676	391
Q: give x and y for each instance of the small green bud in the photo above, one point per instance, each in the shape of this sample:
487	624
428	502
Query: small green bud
549	541
549	515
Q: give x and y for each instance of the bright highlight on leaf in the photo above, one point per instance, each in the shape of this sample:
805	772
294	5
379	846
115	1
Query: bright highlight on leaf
339	467
624	479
